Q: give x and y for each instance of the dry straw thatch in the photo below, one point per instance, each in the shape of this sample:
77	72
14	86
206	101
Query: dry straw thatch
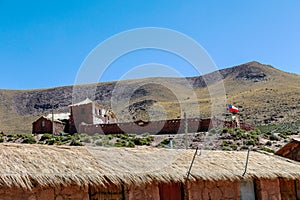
27	165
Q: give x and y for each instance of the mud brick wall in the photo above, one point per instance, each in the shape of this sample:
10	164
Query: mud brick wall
287	189
203	190
156	127
144	192
267	189
73	192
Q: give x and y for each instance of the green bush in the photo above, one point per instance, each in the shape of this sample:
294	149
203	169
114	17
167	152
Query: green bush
75	143
249	142
99	143
273	137
28	139
226	143
96	136
266	149
164	142
234	146
110	137
225	130
46	136
131	144
66	139
269	143
118	144
226	149
86	139
140	141
122	136
50	141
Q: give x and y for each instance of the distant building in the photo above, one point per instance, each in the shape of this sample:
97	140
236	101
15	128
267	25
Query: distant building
291	150
89	112
44	124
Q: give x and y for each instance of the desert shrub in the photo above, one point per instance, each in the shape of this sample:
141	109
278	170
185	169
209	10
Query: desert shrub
237	133
226	143
225	130
110	137
118	144
50	141
66	139
75	136
140	141
269	143
282	135
255	138
165	142
122	136
273	137
263	148
249	142
96	136
85	138
46	136
75	143
28	139
1	139
226	149
98	143
244	147
150	139
233	146
130	144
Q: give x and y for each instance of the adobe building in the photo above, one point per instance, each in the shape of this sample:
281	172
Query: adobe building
89	112
43	172
291	150
44	124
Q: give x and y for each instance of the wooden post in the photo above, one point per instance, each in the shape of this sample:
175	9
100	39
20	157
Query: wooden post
185	131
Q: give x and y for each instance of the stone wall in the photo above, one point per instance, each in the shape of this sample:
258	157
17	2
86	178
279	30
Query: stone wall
155	127
287	189
203	190
109	192
73	192
267	189
143	192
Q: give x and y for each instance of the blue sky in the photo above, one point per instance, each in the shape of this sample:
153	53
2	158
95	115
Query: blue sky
43	43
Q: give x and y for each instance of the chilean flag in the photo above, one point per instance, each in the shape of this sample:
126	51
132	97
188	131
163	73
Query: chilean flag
233	109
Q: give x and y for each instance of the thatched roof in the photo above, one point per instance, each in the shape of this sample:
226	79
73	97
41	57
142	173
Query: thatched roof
26	165
289	147
59	116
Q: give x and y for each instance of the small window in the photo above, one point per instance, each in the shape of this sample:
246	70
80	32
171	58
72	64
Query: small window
82	110
43	123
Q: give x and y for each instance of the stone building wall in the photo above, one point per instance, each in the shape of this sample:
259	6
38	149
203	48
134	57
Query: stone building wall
287	189
143	192
218	190
73	192
267	189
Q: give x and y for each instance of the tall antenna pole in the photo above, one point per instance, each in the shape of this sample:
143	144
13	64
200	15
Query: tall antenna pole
185	131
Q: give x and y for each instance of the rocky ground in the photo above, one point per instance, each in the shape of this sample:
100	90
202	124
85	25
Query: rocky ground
266	139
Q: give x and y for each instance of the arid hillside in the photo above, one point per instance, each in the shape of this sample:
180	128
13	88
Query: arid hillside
264	95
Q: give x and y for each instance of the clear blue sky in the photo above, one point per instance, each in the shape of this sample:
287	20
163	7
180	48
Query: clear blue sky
43	43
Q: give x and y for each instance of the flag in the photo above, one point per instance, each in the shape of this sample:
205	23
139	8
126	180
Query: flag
233	109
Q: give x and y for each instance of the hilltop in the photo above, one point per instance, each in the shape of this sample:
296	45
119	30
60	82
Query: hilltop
263	93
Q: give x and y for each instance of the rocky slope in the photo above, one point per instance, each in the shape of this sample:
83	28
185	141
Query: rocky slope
263	94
